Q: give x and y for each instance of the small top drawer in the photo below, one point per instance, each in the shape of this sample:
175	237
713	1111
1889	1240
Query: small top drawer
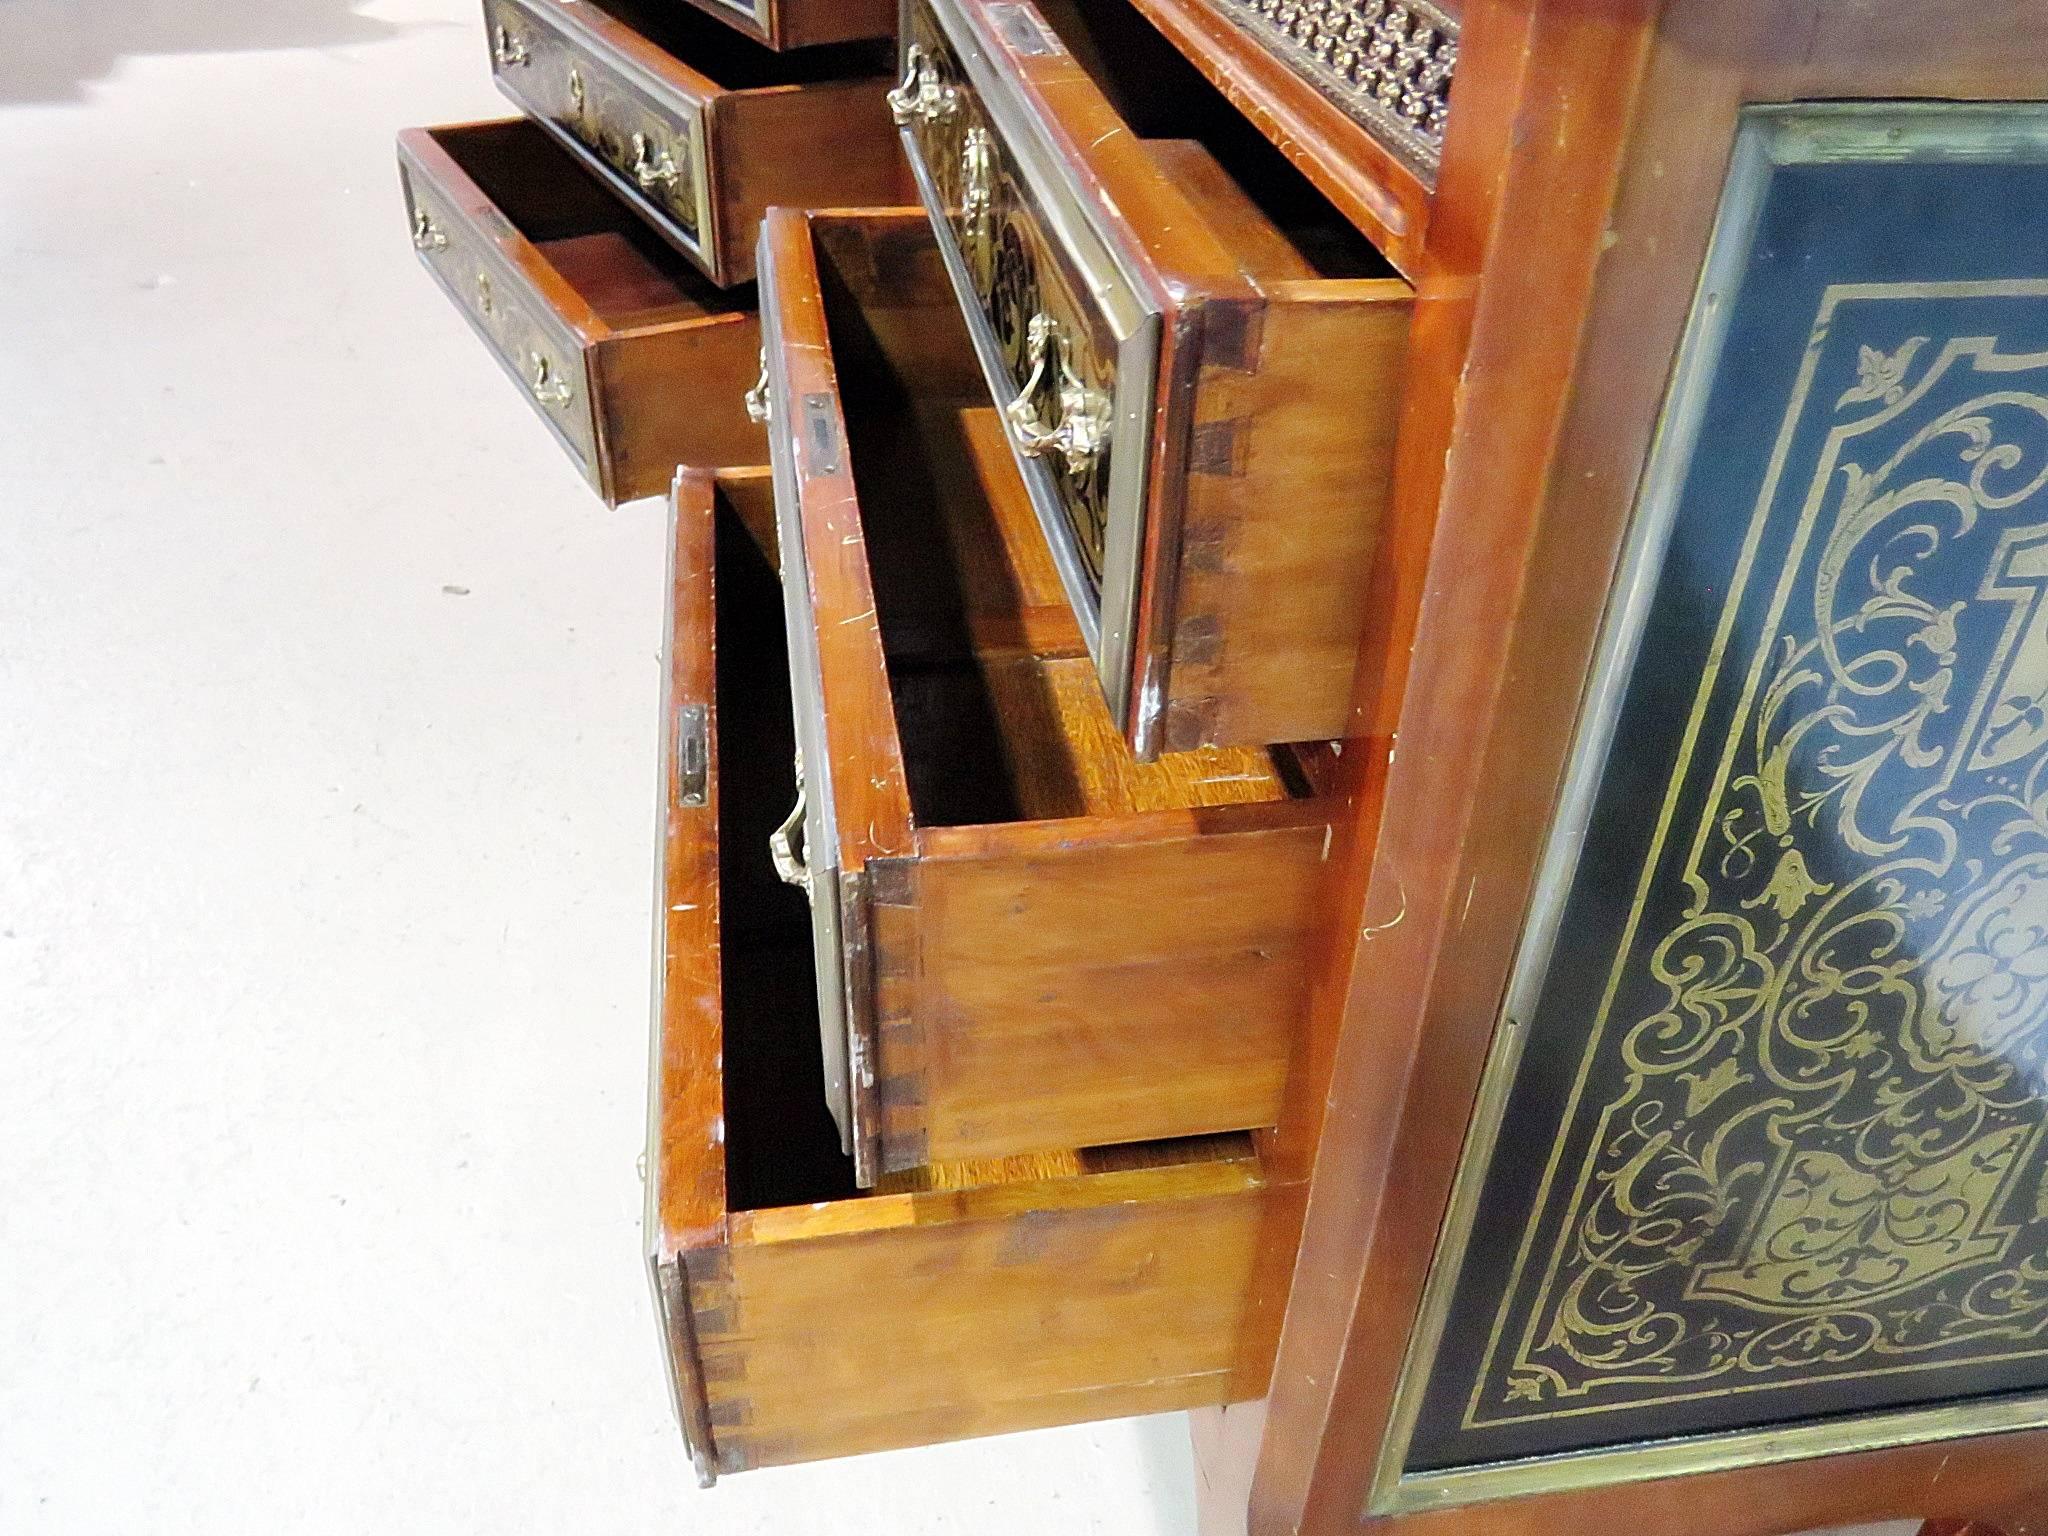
1025	939
695	127
599	322
804	23
1199	362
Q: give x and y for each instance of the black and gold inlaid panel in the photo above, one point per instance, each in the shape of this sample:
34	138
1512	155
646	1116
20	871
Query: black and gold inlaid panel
1765	1139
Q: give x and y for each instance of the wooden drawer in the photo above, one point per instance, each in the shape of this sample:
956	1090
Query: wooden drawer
1026	939
804	23
696	127
800	1318
1199	359
632	359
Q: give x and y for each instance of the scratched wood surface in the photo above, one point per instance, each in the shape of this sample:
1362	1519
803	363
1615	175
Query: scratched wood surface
686	1167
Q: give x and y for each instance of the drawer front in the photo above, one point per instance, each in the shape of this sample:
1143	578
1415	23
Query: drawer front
685	1178
817	868
539	351
1063	327
644	132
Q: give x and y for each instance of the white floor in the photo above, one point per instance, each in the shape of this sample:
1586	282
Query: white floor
327	741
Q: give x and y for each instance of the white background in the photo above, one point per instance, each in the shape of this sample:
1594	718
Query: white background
324	891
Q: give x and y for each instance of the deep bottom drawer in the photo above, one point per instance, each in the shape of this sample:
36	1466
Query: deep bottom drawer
635	361
1044	942
803	1319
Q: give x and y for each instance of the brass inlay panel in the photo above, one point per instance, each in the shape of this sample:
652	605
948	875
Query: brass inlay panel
1759	1165
1018	273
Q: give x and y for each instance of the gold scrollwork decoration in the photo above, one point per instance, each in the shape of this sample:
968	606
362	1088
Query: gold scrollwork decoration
1833	1082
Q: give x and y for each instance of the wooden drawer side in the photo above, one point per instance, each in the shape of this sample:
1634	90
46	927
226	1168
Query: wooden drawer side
676	392
1286	480
1115	1294
686	1191
1110	988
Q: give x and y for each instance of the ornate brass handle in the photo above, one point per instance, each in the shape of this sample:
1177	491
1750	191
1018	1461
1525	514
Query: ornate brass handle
576	91
426	234
793	868
1080	435
541	380
759	409
652	168
485	300
921	97
508	50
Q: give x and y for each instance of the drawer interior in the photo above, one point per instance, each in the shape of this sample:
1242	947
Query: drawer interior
1162	96
780	1144
627	275
735	61
997	705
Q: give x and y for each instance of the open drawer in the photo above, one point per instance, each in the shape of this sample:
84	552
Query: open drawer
633	359
804	23
1199	360
802	1319
1025	938
695	126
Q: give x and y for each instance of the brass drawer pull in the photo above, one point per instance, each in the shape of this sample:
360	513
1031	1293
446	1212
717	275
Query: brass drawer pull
508	50
759	409
922	97
793	868
426	234
1081	434
541	380
652	168
576	91
485	300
